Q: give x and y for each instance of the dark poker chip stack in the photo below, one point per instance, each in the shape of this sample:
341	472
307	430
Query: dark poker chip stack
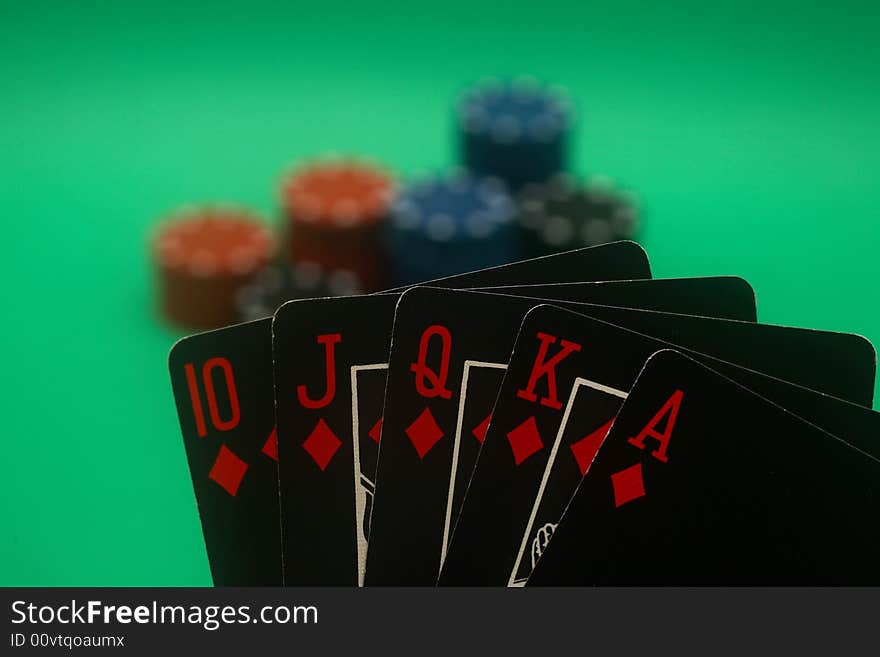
450	224
281	283
516	131
563	214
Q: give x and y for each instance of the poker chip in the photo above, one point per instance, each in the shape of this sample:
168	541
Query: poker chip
516	131
446	225
562	214
281	283
335	211
202	257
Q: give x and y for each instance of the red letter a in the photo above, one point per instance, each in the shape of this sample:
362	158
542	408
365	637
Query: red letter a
650	431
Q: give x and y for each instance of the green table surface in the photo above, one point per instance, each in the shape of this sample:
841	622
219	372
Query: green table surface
750	132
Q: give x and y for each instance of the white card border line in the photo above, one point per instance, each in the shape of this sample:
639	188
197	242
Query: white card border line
578	383
447	522
360	497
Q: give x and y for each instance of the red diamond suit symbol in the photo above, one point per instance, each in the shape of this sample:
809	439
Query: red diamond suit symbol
376	432
525	440
322	444
424	433
628	485
480	430
228	470
584	450
270	447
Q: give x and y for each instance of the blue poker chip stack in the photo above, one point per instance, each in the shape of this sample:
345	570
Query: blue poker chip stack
447	225
516	131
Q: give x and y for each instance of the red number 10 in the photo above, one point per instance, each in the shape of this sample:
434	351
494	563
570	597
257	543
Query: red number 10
196	398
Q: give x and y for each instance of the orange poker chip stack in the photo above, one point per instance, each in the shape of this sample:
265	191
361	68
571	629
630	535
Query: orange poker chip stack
203	257
335	212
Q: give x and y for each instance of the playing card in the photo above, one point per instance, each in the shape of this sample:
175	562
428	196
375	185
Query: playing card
702	481
724	297
331	359
615	261
549	419
223	389
441	338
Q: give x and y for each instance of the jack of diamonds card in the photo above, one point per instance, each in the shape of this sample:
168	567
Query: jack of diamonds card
330	365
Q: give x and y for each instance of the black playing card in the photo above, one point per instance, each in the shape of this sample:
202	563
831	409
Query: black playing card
221	380
440	336
724	297
538	447
607	262
703	481
232	456
329	514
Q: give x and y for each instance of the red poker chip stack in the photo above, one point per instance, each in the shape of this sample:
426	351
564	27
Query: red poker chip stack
335	215
203	256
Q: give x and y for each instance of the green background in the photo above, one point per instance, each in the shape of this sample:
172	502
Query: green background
750	132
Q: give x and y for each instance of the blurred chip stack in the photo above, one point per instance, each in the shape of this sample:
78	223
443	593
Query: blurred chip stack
335	213
446	225
348	229
519	131
563	214
282	282
203	256
516	131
